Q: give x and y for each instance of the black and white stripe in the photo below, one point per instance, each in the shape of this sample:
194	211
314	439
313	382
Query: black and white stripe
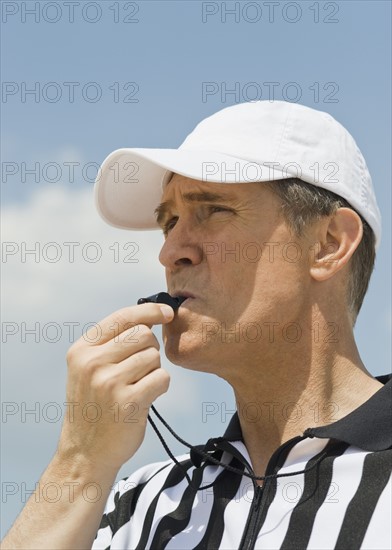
339	498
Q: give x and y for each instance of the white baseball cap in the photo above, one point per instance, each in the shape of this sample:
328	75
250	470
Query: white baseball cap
249	142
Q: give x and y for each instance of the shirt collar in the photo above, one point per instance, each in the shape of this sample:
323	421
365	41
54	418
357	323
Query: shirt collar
367	427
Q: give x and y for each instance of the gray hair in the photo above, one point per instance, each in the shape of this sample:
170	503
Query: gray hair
302	204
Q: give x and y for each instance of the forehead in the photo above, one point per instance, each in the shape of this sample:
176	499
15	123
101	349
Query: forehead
247	198
182	187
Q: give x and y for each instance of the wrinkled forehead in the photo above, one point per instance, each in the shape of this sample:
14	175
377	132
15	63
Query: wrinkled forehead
176	182
176	186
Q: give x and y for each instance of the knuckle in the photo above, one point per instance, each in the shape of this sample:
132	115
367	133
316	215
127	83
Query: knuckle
103	382
130	336
143	331
164	379
91	365
164	374
153	356
135	334
76	359
147	359
72	353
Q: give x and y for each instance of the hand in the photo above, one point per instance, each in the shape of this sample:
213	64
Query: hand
114	375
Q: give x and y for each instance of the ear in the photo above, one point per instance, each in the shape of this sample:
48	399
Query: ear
338	237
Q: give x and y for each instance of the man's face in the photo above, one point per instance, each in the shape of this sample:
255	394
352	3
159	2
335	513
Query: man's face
227	246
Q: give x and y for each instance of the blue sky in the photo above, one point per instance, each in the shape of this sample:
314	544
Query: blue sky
139	82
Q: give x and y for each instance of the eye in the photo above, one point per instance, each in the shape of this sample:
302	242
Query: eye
214	209
169	225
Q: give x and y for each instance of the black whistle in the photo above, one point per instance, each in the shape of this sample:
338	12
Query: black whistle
163	298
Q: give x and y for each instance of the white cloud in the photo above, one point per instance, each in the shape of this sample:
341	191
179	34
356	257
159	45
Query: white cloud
60	276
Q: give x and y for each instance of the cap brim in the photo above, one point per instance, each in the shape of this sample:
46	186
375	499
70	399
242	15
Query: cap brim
130	182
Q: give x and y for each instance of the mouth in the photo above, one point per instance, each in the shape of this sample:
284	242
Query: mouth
183	297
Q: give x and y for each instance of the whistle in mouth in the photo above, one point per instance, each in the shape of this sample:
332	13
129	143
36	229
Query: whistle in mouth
163	298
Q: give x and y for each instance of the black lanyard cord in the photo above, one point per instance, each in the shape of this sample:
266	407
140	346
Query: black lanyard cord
212	459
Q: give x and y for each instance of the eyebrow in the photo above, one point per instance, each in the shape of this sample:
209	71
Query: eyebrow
204	196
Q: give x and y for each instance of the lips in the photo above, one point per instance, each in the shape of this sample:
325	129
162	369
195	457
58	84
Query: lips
182	294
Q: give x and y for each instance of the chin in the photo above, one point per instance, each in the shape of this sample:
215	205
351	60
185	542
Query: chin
188	345
187	352
179	350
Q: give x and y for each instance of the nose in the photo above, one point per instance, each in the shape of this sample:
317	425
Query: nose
181	247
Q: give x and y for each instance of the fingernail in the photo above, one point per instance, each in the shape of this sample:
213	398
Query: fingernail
167	312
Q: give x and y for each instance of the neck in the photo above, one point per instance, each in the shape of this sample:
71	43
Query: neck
281	394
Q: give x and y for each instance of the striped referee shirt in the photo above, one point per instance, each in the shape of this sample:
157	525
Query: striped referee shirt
328	488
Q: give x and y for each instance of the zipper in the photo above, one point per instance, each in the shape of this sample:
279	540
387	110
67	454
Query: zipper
255	517
250	532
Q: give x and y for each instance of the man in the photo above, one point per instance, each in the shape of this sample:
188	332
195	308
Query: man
285	189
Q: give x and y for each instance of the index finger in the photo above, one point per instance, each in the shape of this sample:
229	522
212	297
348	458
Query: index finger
123	319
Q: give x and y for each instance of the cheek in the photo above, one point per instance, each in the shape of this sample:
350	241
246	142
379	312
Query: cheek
282	281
